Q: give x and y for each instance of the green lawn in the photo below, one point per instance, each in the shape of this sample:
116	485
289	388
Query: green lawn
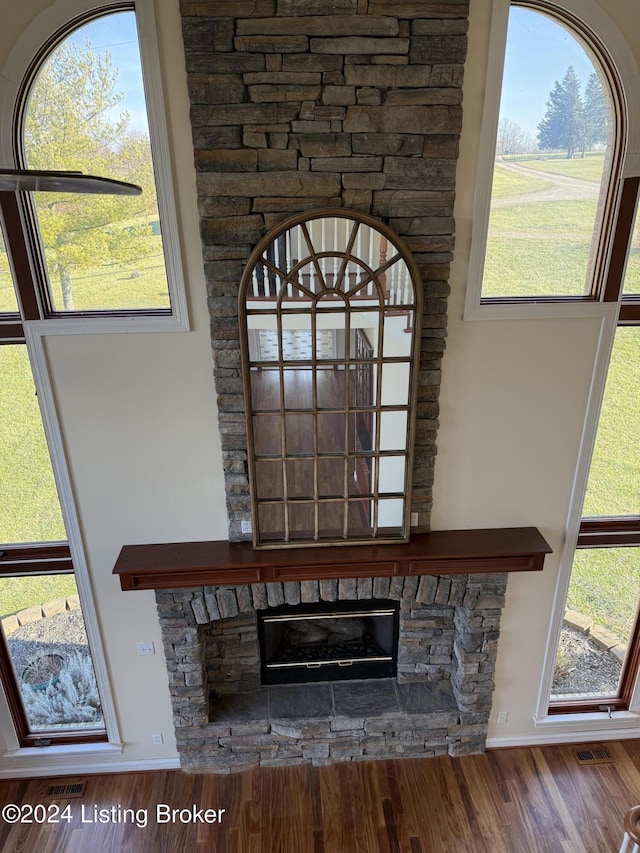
507	183
543	249
533	249
8	300
19	593
138	284
605	583
632	277
587	168
539	249
614	480
29	508
7	293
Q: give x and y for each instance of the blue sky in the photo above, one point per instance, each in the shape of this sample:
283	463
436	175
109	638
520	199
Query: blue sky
117	35
539	51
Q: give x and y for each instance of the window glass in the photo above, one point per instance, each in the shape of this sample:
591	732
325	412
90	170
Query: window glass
604	591
49	653
86	112
552	164
614	478
29	506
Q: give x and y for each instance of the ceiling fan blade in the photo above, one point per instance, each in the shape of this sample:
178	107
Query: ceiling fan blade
40	180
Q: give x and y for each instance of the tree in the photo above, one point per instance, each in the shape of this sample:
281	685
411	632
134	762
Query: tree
512	139
596	116
71	123
562	125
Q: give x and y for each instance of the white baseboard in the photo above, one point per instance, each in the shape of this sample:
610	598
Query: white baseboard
547	737
36	767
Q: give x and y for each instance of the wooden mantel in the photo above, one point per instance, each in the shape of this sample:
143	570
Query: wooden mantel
193	564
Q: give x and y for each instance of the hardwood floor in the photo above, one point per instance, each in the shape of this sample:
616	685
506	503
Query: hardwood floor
506	801
334	434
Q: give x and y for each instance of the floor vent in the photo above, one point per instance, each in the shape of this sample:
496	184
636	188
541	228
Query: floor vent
63	791
594	755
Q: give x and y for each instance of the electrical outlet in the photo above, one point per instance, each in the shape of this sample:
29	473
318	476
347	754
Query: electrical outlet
146	648
156	739
245	527
414	519
502	717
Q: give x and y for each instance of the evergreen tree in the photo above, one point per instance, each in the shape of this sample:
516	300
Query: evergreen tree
596	118
562	125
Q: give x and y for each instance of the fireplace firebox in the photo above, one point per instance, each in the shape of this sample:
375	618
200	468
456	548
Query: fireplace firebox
345	640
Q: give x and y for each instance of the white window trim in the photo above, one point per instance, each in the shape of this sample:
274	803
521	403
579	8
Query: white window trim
596	19
34	336
595	722
52	20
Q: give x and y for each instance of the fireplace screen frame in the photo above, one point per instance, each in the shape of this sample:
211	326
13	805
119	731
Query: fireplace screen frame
337	667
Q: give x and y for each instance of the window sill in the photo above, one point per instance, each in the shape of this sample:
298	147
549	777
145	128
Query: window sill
113	323
590	721
76	757
526	310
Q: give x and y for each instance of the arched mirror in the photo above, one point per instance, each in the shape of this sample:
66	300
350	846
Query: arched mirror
329	308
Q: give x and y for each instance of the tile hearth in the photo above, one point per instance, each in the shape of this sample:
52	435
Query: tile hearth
362	699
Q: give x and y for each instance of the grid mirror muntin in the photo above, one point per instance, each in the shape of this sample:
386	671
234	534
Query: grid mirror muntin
329	310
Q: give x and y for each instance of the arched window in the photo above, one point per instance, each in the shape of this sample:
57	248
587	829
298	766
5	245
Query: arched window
556	152
82	106
328	308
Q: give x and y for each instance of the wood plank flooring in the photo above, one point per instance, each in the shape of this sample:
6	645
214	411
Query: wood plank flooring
332	434
506	801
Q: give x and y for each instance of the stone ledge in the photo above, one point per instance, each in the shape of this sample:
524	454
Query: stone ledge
429	709
10	624
602	637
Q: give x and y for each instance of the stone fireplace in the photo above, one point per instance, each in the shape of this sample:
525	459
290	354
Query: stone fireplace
227	720
298	105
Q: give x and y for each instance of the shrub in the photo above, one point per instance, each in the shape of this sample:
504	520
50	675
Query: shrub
71	698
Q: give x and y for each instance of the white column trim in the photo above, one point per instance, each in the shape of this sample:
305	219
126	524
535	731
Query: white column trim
44	391
594	405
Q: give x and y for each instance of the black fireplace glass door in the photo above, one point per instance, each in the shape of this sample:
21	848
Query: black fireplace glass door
343	640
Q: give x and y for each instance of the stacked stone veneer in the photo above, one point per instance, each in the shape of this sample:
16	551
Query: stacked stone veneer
301	104
449	628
